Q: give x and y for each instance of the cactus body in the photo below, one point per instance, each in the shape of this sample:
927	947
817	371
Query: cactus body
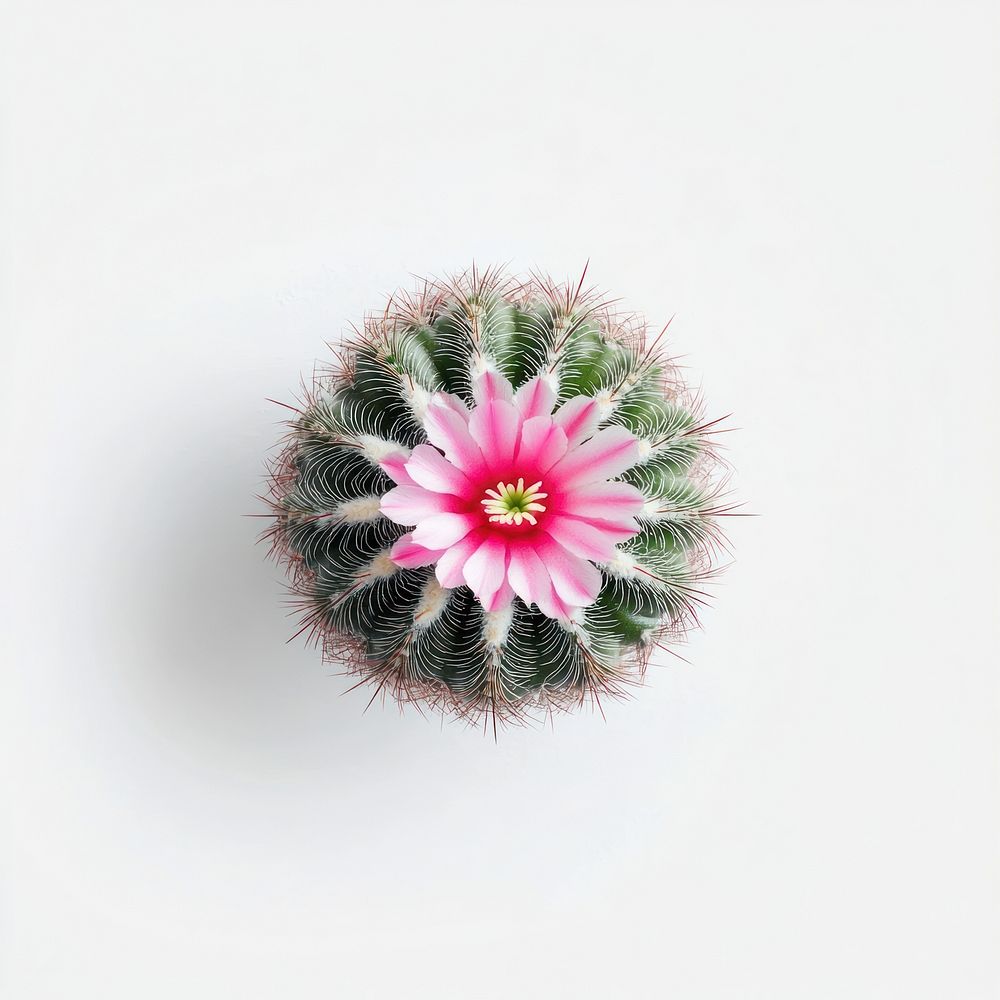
399	613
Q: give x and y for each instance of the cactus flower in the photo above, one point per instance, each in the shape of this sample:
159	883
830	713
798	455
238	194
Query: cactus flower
480	525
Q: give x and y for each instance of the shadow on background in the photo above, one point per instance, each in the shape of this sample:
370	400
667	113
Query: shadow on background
209	618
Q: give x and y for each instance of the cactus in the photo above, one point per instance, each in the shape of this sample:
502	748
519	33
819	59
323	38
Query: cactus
498	500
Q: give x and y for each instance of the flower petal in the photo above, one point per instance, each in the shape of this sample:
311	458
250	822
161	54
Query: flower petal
535	398
494	426
394	466
579	418
449	401
614	531
581	538
542	444
412	504
552	605
409	555
444	530
608	503
607	454
428	468
489	386
452	562
525	573
449	431
501	599
486	569
575	580
530	580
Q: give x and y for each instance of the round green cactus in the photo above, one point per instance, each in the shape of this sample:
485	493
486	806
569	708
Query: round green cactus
547	598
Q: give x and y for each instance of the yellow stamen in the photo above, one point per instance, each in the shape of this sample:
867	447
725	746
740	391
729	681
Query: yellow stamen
514	504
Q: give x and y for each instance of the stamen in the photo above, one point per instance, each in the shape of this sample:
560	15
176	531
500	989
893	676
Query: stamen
514	504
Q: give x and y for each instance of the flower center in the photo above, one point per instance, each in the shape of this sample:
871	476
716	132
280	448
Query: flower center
510	504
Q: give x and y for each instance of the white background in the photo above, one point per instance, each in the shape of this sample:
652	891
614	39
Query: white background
196	197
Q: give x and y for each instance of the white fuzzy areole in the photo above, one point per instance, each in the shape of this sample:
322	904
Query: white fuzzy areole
561	322
360	510
417	398
431	605
496	625
381	566
622	566
645	449
651	510
375	448
551	379
606	404
480	364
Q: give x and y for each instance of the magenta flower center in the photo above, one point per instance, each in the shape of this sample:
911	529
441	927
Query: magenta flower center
510	504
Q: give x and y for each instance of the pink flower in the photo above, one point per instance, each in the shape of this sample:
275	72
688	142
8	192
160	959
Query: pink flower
511	498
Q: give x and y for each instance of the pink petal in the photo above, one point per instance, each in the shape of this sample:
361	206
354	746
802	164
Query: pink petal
576	581
452	563
581	538
501	599
494	426
530	580
428	468
607	454
553	606
443	530
411	504
486	569
612	503
535	398
409	555
449	401
542	444
526	573
579	418
613	531
394	466
490	386
449	431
